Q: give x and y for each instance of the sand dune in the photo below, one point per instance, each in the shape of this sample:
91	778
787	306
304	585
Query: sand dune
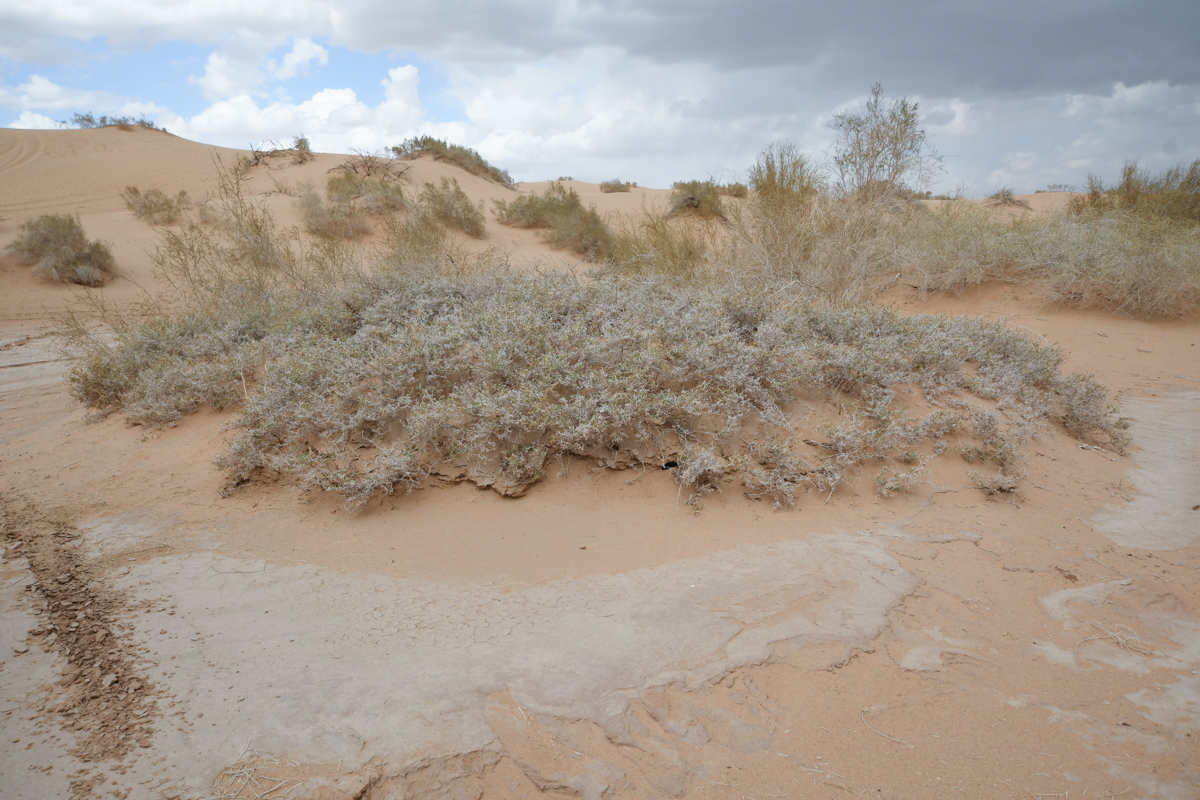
594	638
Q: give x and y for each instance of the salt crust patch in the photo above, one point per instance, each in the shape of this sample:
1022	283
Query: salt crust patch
1167	477
323	666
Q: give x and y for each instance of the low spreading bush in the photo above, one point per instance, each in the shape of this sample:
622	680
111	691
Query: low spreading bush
155	206
60	251
362	383
460	156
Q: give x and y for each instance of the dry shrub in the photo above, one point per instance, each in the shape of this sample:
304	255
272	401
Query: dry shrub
655	245
699	197
155	206
365	164
616	185
363	384
90	120
562	215
449	204
1174	194
1004	197
60	251
332	220
463	157
737	190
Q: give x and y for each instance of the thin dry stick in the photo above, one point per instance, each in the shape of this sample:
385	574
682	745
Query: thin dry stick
863	717
1132	642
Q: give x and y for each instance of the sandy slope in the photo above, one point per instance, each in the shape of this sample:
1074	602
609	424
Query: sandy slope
592	638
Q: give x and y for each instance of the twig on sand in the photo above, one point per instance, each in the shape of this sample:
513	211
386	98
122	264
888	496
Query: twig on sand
863	717
1125	638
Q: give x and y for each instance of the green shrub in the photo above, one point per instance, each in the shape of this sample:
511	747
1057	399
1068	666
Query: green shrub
154	206
567	223
463	157
450	205
702	197
58	249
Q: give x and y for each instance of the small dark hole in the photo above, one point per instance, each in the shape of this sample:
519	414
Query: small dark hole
671	465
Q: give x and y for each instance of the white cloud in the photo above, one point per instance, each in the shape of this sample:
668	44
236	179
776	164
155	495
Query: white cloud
43	93
333	119
225	77
303	53
30	120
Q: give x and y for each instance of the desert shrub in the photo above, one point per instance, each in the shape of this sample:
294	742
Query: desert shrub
463	157
60	251
737	189
155	206
567	223
1135	263
450	205
349	199
616	185
366	164
882	150
332	220
1004	197
700	197
364	384
301	150
90	120
373	195
1174	194
655	245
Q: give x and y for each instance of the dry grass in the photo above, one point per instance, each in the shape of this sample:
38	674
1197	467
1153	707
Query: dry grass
1174	194
155	206
463	157
60	251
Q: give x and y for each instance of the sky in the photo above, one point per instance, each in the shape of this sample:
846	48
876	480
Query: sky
1018	94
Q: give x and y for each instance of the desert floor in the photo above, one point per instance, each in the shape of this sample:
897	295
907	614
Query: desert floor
595	637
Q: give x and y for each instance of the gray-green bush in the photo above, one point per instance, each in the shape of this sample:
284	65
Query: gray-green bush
60	251
364	383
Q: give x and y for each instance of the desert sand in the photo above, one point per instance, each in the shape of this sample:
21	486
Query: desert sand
594	638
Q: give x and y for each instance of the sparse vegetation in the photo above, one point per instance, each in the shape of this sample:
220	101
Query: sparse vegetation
562	215
700	197
449	204
1173	195
155	206
60	251
432	364
736	189
90	120
463	157
616	185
